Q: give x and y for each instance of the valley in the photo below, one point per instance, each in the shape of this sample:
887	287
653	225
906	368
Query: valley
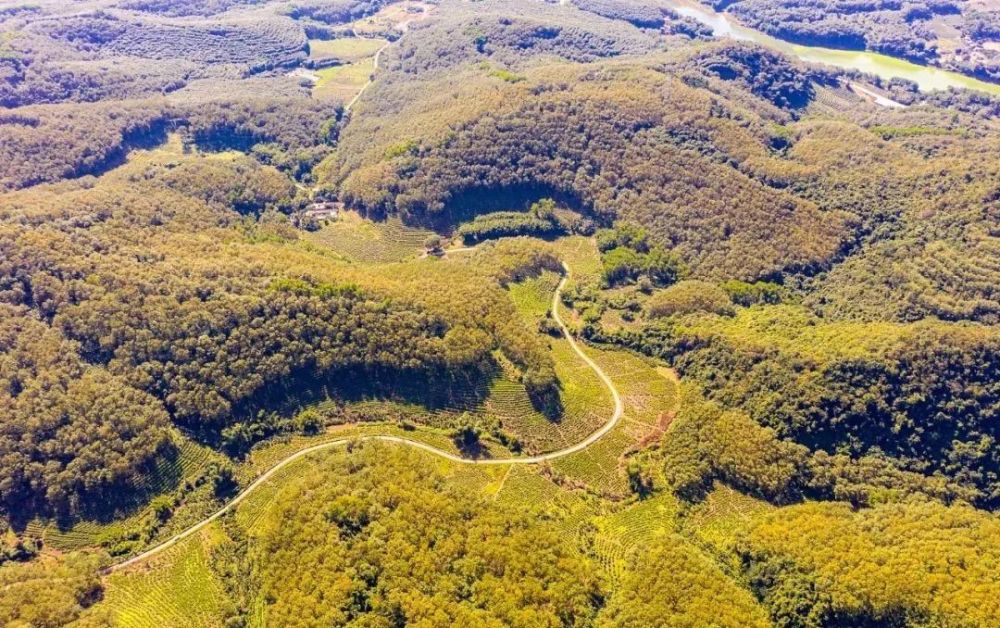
496	313
884	66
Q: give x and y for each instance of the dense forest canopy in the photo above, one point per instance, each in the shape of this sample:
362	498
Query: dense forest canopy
951	33
723	324
158	313
423	550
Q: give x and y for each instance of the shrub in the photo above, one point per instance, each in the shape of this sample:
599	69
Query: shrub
623	235
747	294
621	264
663	267
707	443
508	224
688	297
309	421
162	507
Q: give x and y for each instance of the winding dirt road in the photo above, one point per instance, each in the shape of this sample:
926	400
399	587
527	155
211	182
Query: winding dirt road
616	416
403	27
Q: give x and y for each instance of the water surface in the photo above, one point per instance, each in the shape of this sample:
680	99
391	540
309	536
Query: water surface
886	67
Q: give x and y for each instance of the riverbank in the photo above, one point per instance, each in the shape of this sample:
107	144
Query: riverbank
927	78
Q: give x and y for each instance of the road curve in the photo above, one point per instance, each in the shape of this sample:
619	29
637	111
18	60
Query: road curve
616	416
403	27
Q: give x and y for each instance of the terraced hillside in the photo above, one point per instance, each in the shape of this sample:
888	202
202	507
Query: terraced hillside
504	313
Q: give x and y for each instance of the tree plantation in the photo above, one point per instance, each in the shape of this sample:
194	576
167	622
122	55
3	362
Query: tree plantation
496	313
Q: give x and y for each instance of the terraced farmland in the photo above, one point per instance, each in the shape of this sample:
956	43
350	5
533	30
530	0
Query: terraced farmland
599	466
649	390
191	461
255	506
509	403
587	402
620	534
533	297
345	49
355	442
716	521
374	242
530	486
175	589
343	82
649	393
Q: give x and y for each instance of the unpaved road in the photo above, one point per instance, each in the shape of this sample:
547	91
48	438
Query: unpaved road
612	421
403	27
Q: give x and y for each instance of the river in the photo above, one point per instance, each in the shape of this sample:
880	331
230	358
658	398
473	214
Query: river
927	78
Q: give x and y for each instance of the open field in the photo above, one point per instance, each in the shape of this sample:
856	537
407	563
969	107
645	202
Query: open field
345	49
343	82
582	256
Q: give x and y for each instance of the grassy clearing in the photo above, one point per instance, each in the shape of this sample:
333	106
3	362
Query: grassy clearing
582	256
341	83
81	535
584	260
175	588
362	240
346	49
525	485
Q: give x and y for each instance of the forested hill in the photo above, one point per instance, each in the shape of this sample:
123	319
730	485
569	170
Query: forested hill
724	153
145	299
960	35
285	289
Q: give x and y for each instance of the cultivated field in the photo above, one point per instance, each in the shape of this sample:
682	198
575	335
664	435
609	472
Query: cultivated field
345	49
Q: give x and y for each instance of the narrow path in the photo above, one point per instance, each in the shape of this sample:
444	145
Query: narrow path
371	78
403	27
878	99
616	416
